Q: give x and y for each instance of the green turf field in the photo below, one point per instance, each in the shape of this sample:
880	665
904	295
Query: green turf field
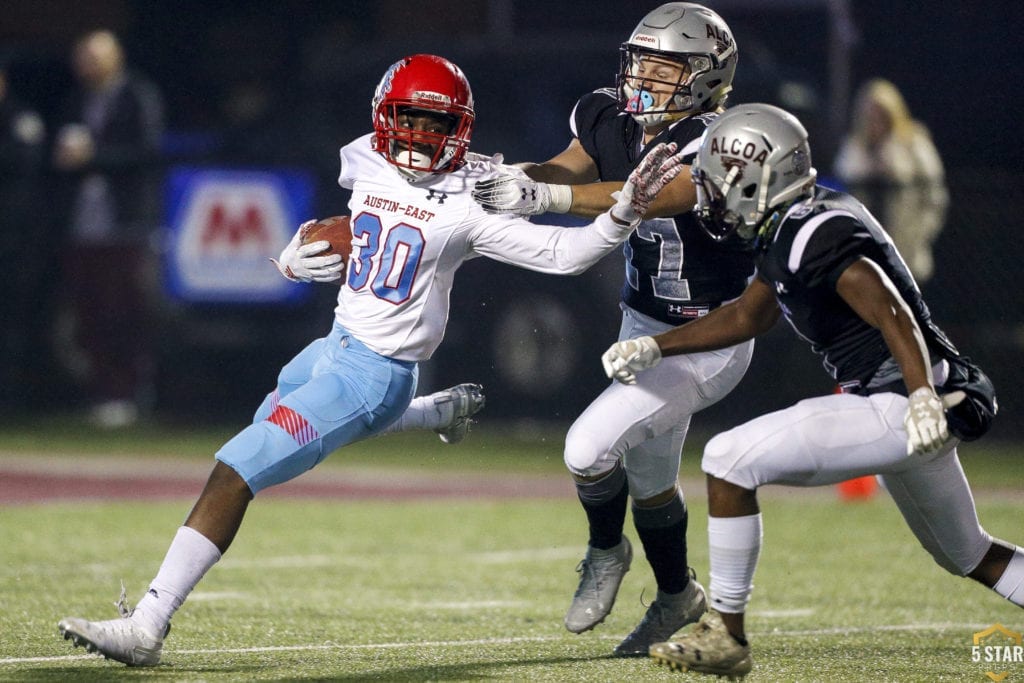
475	589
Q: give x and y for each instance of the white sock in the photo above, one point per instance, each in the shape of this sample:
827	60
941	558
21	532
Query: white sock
734	545
1011	584
190	556
424	412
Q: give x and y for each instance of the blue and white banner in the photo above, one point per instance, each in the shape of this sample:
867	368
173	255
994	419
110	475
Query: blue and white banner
222	228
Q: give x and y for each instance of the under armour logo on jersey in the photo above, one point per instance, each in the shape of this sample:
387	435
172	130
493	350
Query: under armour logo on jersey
439	196
681	311
780	288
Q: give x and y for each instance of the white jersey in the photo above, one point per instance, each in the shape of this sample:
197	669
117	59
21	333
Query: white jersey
410	238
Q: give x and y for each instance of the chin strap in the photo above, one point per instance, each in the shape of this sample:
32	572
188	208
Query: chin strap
770	225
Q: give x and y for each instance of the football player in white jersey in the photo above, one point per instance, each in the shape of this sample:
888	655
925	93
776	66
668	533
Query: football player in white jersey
909	397
414	223
675	74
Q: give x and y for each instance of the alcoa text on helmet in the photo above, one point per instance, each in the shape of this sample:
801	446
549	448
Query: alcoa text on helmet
753	159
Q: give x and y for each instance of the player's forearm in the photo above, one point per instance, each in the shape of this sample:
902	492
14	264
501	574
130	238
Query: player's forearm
754	313
547	173
551	249
906	344
593	199
578	249
586	199
723	327
558	173
866	288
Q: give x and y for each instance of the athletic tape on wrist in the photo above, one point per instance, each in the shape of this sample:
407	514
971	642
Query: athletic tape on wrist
561	198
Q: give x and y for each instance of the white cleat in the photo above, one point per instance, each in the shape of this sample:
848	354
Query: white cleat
601	572
121	639
463	401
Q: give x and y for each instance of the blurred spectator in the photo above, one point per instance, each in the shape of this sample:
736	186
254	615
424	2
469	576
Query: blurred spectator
22	242
107	147
888	161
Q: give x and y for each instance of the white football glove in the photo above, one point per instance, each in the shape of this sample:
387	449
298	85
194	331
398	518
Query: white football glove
926	420
624	359
300	263
654	172
514	192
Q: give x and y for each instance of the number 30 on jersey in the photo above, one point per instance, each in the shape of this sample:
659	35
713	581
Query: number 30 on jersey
392	265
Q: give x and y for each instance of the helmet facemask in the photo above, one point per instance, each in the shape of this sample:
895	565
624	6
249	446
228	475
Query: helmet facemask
420	141
690	36
657	87
713	209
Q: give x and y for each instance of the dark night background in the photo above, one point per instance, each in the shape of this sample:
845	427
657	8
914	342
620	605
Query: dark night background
285	83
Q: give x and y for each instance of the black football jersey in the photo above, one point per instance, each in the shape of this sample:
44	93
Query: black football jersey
815	242
674	271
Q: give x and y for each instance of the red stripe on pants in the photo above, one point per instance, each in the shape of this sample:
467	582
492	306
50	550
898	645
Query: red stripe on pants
293	423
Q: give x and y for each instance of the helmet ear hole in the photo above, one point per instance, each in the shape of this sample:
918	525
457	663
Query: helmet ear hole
749	190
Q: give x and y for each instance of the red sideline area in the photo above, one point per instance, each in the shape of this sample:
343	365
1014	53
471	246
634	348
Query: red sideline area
40	479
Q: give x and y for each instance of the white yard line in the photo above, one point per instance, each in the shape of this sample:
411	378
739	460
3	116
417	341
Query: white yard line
773	633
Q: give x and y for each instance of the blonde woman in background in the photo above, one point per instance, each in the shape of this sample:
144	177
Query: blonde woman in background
889	162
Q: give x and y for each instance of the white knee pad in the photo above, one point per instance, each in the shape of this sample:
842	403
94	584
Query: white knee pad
720	458
584	456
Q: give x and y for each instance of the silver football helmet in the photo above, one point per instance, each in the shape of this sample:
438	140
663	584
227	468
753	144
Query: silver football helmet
753	159
700	45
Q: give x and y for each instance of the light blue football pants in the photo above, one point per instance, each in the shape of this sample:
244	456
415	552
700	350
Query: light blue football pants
335	392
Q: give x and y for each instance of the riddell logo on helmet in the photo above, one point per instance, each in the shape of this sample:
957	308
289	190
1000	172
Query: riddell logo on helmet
437	97
644	39
740	149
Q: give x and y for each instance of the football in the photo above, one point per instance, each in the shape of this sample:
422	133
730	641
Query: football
337	230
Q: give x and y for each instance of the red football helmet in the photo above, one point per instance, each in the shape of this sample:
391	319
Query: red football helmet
428	88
